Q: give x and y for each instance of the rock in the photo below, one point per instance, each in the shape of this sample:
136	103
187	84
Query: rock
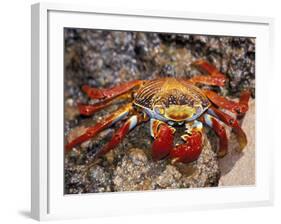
99	180
131	172
136	172
170	178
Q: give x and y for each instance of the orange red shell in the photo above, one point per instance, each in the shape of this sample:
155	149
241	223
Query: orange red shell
169	91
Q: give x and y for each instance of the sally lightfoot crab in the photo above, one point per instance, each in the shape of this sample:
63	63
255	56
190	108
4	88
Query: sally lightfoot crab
168	103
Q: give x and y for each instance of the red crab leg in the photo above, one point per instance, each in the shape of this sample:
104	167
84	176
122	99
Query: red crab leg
220	132
230	121
206	67
111	93
164	139
119	135
90	109
244	101
216	78
191	150
237	108
106	122
244	97
208	80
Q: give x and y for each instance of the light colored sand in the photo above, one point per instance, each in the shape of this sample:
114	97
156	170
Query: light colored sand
239	168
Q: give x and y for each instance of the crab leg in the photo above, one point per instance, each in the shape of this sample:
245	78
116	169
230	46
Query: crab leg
220	132
216	78
111	93
237	108
106	122
244	97
191	149
206	67
230	121
164	139
244	100
90	109
106	96
119	135
208	80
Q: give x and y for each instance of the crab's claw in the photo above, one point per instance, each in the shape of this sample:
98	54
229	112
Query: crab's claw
164	139
163	144
191	149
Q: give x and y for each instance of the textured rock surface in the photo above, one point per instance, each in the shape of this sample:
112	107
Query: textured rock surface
104	59
136	172
129	169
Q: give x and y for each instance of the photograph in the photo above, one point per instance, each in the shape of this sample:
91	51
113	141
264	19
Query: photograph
147	111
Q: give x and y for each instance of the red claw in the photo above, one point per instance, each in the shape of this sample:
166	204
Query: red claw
189	151
163	142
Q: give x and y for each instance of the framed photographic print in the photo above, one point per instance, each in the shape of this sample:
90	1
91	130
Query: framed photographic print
148	111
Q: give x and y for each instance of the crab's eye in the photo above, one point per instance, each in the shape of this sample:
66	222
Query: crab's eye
159	109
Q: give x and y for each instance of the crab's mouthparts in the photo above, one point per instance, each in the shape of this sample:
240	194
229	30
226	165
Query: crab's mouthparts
180	112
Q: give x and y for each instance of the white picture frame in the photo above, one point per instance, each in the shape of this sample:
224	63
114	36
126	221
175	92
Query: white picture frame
48	201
